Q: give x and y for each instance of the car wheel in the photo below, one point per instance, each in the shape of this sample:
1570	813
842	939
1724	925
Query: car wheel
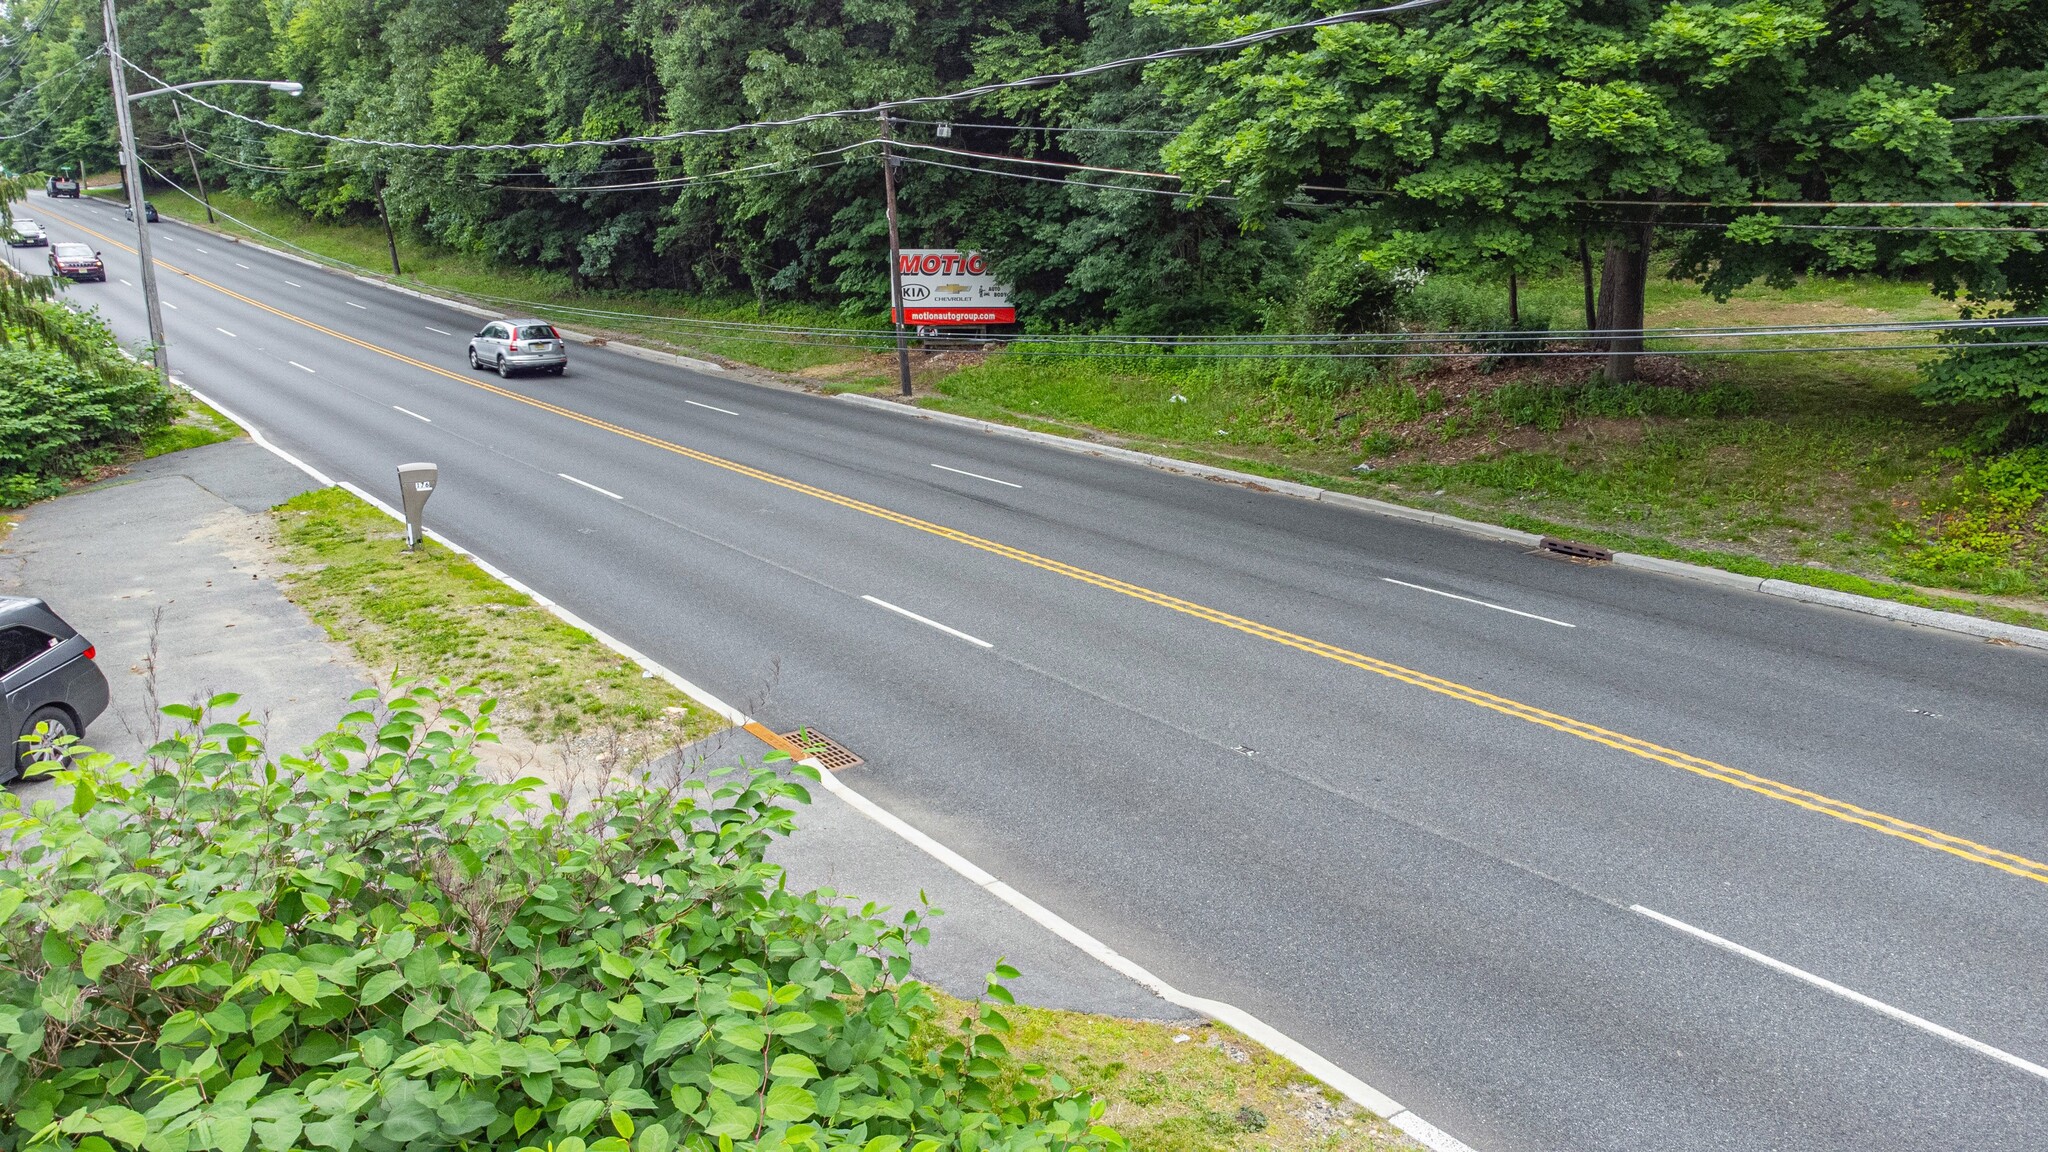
558	371
474	363
43	754
504	369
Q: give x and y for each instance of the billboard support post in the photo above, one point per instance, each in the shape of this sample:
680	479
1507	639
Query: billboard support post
895	259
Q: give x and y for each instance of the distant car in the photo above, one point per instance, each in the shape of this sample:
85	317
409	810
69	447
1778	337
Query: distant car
76	262
148	211
50	683
28	234
519	346
61	186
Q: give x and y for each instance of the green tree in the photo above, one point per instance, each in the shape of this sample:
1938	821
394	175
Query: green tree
1499	132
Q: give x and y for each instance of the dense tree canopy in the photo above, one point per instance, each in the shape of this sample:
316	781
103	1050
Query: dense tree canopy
1494	133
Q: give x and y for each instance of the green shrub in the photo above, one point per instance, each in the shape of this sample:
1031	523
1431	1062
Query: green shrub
2010	384
374	946
60	418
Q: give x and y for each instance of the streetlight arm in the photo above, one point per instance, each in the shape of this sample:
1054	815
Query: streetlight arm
288	87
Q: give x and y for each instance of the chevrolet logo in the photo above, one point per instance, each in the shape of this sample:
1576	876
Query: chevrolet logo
955	289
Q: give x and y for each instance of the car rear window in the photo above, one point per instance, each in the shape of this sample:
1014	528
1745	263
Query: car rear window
19	645
537	332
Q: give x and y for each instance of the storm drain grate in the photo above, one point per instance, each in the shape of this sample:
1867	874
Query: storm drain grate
824	749
1576	550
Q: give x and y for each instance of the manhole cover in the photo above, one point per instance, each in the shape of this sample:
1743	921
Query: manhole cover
1576	550
827	751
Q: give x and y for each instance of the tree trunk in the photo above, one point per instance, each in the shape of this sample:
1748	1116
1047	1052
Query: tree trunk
1624	274
1586	272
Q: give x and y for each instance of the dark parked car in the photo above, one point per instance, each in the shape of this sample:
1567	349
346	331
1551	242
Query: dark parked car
76	261
50	682
148	210
62	186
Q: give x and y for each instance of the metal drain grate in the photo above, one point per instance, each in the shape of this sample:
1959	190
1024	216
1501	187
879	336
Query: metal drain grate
1576	550
827	751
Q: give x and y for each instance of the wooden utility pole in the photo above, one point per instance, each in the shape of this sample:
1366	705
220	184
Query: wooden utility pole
193	159
390	237
1586	271
895	259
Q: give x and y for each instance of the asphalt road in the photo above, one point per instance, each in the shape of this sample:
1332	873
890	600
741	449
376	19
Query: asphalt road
1263	746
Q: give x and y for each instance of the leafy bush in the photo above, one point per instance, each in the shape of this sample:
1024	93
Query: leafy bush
2009	383
62	417
374	946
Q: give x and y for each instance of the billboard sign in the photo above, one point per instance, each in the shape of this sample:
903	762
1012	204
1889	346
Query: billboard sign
948	286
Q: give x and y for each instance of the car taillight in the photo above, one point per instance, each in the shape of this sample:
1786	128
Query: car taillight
91	651
514	346
556	331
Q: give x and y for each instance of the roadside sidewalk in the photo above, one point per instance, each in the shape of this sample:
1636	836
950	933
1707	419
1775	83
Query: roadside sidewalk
170	566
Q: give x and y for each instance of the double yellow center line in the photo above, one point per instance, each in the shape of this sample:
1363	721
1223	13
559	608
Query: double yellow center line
1778	790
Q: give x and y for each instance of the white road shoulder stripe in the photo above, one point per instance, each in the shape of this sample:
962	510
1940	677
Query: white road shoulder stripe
1481	603
1849	994
714	408
977	476
928	622
589	485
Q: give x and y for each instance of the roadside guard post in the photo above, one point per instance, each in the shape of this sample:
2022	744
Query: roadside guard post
416	483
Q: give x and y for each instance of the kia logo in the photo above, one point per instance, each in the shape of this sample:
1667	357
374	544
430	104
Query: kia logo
917	292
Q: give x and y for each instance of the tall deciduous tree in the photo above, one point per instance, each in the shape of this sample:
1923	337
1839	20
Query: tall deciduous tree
1501	131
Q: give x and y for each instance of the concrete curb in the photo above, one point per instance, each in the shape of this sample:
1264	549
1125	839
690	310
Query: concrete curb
1286	1047
1786	589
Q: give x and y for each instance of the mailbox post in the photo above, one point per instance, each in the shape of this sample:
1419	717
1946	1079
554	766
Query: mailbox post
416	483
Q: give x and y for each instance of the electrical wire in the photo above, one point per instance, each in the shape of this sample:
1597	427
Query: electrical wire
1231	44
1841	227
1820	203
1203	196
1998	119
75	66
1045	128
679	181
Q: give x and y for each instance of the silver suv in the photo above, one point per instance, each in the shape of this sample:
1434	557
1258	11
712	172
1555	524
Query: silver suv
519	346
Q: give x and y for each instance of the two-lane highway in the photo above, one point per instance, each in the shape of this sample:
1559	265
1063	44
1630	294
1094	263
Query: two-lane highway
1562	857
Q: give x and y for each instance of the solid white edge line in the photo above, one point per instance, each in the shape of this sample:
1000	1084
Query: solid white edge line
1481	603
431	328
713	407
1849	994
1286	1047
585	483
976	475
300	367
411	413
928	622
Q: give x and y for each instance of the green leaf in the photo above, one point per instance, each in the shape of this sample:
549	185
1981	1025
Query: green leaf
230	1133
737	1079
793	1064
122	1124
789	1103
379	986
653	1138
100	956
622	1123
578	1115
673	1035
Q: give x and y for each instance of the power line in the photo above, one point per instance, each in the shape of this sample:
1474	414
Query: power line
1841	227
1997	119
1045	128
1232	44
1820	203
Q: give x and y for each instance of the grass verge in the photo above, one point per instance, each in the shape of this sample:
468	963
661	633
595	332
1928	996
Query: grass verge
1196	1087
194	426
431	612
